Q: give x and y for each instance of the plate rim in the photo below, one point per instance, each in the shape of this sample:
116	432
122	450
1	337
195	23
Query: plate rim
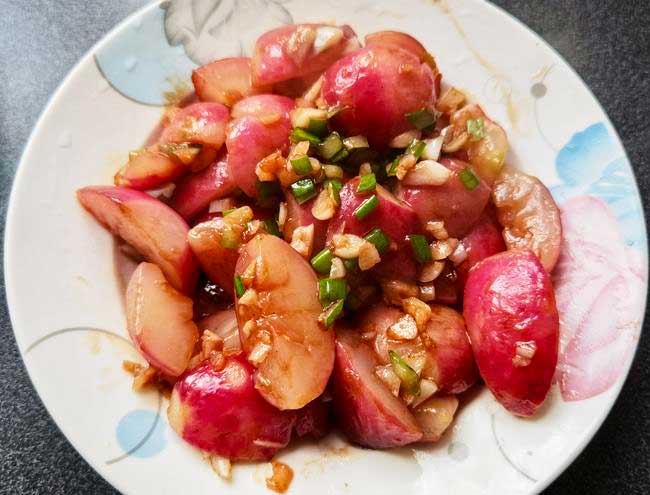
10	219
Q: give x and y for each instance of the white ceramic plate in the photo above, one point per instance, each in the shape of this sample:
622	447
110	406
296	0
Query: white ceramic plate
66	306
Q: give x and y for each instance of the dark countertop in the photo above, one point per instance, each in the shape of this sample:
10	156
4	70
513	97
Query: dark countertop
606	41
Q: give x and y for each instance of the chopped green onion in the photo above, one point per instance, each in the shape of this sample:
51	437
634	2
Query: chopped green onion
367	183
267	193
350	264
379	239
301	165
303	190
331	146
331	289
416	148
469	180
298	135
229	239
407	375
367	207
392	170
331	313
227	212
271	226
239	286
322	262
355	142
476	129
421	119
335	185
341	155
317	127
421	249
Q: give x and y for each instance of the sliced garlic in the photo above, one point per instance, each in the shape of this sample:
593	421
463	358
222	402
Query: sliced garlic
368	256
347	246
327	37
437	230
431	271
426	173
432	148
404	329
337	270
404	139
300	117
302	240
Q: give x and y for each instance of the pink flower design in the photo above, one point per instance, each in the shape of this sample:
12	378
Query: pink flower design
600	286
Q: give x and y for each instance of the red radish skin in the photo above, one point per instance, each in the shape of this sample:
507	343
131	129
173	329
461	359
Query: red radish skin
297	367
249	139
454	204
149	169
276	58
218	262
529	215
313	419
483	240
509	299
198	123
409	43
397	40
376	86
221	412
155	230
195	192
226	81
364	407
451	365
159	320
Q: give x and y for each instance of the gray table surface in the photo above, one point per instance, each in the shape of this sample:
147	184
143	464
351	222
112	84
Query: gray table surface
606	41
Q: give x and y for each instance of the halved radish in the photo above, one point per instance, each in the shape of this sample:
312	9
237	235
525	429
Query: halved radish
155	230
225	81
278	323
513	323
149	169
159	319
195	192
376	86
297	50
198	123
261	126
219	411
365	408
529	215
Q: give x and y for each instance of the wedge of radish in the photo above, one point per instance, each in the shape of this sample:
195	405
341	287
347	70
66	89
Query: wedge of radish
155	230
159	320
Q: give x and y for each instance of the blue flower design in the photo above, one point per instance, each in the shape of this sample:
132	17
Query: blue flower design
136	435
156	53
593	163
